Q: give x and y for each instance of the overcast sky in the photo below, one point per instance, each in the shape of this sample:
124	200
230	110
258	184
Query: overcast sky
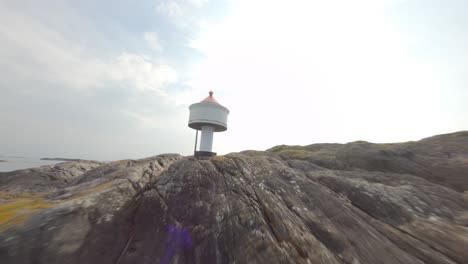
113	79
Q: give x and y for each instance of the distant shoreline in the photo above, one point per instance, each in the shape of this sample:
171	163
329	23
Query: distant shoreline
3	161
60	159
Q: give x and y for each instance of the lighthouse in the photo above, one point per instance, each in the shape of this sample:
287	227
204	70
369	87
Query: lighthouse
207	116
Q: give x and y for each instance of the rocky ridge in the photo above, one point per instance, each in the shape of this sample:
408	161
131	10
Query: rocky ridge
323	203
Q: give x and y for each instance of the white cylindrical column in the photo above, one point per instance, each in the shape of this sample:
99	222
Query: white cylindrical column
206	141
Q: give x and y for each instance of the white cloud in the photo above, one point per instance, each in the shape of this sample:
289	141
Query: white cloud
171	9
145	120
139	72
183	13
31	50
35	52
63	75
153	41
198	3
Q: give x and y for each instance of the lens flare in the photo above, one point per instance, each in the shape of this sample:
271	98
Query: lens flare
177	240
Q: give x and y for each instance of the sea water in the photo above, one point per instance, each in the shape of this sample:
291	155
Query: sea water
17	163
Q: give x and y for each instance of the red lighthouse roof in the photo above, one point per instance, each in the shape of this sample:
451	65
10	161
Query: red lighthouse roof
209	99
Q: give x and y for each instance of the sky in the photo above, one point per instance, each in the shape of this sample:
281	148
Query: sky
111	80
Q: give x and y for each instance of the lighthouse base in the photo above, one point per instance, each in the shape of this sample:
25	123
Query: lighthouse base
204	154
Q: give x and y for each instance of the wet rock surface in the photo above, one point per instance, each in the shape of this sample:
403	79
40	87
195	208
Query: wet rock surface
323	203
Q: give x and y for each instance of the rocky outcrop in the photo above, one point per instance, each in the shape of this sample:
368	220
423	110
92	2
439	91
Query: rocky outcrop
440	159
323	203
45	178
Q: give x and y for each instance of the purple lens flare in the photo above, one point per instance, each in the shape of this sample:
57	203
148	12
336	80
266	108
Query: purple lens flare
177	240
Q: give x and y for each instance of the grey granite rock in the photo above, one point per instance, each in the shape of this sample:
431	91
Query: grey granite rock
323	203
44	179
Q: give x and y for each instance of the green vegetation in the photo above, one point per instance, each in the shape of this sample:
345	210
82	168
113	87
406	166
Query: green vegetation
281	148
304	153
300	154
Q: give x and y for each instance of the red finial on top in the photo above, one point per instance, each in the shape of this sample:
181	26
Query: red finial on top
210	98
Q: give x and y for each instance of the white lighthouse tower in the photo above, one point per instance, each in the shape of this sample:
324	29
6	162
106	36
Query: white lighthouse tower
208	116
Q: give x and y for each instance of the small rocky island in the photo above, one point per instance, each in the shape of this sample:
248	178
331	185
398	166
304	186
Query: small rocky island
60	159
322	203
